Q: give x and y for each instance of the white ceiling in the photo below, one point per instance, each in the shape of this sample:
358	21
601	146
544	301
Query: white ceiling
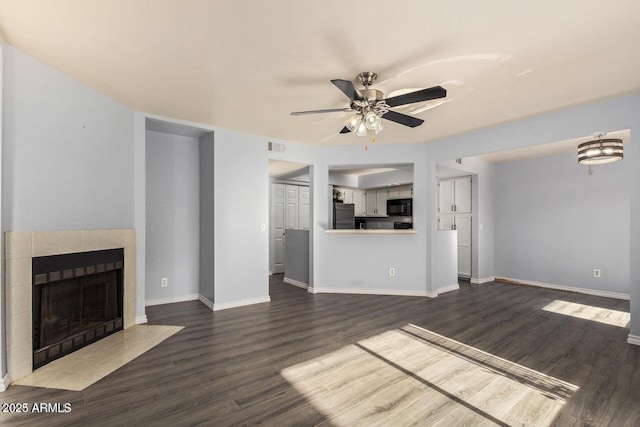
246	64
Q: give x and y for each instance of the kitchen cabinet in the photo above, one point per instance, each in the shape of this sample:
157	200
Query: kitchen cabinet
454	195
347	195
377	202
357	197
400	192
393	193
359	203
406	192
455	213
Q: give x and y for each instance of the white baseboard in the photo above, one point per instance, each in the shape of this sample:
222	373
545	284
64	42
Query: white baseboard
4	383
594	292
240	303
141	319
481	280
447	289
296	283
633	339
361	291
206	301
170	300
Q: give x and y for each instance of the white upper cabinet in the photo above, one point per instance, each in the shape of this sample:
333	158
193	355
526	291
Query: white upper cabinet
377	202
381	202
359	202
406	191
393	193
454	195
463	194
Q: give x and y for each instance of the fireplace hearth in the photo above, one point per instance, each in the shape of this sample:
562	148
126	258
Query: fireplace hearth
77	300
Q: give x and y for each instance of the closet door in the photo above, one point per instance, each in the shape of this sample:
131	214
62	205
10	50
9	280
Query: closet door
291	217
278	200
303	211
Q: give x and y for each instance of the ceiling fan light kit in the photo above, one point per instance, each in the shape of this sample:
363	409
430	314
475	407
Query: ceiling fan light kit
370	106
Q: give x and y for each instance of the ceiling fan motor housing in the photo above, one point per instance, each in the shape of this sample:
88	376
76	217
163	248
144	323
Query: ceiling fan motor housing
367	78
369	96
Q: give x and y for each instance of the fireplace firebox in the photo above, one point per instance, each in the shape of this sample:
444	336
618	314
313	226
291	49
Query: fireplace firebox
77	300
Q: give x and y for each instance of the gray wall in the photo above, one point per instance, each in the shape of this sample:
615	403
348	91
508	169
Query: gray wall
360	262
555	223
206	217
68	152
296	255
172	215
241	190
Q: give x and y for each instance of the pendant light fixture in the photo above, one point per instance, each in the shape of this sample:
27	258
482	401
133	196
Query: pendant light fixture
600	150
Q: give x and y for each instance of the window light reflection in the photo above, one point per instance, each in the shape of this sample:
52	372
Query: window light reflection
589	312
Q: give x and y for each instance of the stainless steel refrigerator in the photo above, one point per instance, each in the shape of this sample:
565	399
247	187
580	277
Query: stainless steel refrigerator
343	216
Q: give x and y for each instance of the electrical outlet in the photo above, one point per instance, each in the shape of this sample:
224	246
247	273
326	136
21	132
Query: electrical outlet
596	272
164	282
392	271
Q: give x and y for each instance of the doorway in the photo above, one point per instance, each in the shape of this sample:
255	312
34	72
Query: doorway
290	209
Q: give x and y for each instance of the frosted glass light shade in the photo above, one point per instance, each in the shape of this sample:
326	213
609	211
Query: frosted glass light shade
353	122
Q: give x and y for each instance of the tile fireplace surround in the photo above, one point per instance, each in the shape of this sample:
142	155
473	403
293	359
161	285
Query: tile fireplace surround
20	247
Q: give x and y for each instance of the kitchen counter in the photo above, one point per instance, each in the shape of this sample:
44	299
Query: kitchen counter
370	231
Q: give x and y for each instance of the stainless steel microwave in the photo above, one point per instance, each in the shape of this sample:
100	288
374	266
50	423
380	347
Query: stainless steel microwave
400	207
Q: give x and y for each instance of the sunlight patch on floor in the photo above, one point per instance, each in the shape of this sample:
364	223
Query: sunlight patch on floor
589	312
414	376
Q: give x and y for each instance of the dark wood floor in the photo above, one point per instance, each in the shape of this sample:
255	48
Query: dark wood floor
226	368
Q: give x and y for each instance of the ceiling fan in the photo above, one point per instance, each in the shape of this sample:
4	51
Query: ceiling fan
370	106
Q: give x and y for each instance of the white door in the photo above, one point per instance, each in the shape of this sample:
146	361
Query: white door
291	216
463	226
303	215
278	215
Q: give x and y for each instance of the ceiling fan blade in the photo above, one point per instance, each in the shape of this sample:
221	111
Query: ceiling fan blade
348	88
345	130
403	119
328	110
417	96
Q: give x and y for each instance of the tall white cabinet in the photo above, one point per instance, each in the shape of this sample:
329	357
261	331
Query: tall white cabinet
455	213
